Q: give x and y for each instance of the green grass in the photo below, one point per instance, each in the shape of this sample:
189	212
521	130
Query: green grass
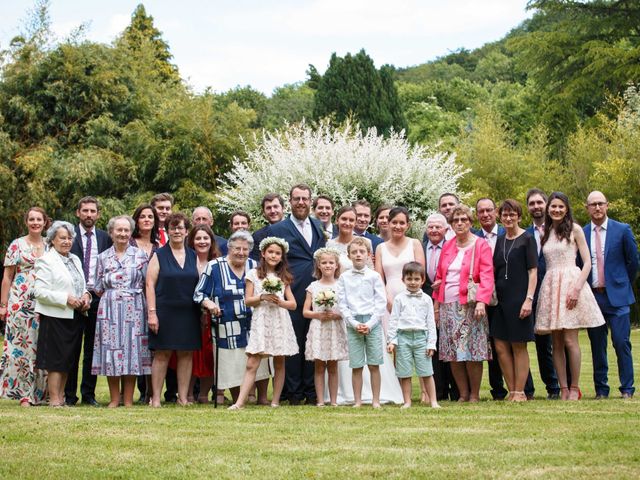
488	440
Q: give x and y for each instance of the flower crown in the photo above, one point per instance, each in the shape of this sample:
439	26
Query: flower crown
326	250
277	240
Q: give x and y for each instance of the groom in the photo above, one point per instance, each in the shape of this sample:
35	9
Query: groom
304	235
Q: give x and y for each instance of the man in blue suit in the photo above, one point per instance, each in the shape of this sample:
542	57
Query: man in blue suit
489	230
88	243
305	235
537	204
363	219
272	210
614	265
323	206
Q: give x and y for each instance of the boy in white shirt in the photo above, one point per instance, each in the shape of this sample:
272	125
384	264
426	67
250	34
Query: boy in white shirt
412	333
362	302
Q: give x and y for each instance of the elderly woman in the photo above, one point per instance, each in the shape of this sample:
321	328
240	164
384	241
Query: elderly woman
19	379
174	320
221	292
464	328
61	298
515	263
121	347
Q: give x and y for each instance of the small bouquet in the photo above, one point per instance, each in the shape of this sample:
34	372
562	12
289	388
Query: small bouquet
325	298
272	285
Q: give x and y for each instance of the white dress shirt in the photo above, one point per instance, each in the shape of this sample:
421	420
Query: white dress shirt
594	257
538	236
413	312
433	250
491	237
361	292
304	227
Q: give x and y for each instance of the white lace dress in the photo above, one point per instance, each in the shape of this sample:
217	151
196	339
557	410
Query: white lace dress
327	339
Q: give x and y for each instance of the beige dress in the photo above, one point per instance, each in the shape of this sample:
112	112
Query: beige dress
562	272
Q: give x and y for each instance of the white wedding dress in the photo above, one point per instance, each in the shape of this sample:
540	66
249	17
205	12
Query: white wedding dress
390	391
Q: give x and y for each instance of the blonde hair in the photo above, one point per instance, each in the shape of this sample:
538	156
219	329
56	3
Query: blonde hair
365	242
317	273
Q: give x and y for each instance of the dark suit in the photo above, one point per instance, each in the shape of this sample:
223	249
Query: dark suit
498	392
258	236
446	388
544	345
299	383
88	384
620	269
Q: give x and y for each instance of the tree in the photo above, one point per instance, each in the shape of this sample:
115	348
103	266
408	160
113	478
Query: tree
352	86
141	31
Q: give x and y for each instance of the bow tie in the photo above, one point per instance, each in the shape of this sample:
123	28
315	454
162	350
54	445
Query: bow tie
416	294
358	272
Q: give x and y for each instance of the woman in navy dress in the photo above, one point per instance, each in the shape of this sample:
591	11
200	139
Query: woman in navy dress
174	319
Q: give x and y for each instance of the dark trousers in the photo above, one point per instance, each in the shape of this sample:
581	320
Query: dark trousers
498	392
171	382
446	388
617	319
299	383
88	383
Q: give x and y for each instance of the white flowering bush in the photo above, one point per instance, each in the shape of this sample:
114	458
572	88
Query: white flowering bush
343	163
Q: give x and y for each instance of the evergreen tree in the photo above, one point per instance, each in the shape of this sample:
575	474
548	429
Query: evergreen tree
352	86
142	31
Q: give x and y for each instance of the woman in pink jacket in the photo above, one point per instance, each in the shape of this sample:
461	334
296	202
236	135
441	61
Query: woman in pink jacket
464	328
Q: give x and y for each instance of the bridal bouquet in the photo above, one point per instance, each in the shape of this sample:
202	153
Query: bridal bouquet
325	298
272	285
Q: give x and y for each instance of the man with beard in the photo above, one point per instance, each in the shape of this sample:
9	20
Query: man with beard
272	211
305	235
88	243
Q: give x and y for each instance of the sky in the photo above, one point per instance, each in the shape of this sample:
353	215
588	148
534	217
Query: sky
223	44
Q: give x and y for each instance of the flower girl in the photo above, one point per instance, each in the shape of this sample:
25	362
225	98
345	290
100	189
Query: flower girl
268	292
327	338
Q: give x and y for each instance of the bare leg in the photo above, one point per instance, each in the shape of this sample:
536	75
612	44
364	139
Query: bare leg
253	362
430	384
183	372
423	391
55	384
560	362
263	387
205	387
374	371
356	383
405	384
158	373
129	387
521	364
318	378
114	391
474	373
575	357
332	369
278	379
192	383
505	359
459	372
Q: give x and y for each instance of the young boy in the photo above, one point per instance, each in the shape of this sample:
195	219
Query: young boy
412	333
362	302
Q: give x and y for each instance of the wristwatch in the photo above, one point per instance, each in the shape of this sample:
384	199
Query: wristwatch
530	297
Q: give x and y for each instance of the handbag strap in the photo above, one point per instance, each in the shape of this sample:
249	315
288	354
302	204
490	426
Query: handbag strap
473	253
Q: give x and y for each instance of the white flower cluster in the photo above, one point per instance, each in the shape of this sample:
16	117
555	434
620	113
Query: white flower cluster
325	298
343	163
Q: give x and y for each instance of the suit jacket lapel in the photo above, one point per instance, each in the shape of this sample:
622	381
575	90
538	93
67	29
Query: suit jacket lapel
296	233
318	234
78	240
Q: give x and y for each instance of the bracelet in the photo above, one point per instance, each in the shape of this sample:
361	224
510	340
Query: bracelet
151	309
3	305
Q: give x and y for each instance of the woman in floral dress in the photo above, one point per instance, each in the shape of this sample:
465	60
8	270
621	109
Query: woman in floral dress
20	380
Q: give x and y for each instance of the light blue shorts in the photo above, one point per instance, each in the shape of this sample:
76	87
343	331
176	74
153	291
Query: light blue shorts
412	351
365	349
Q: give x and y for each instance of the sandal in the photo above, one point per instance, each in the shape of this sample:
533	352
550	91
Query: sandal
235	407
25	402
519	397
575	393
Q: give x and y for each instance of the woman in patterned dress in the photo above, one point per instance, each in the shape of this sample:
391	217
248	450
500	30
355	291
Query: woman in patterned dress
19	379
121	343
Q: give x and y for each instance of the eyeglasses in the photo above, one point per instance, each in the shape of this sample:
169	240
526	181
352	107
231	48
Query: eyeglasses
177	227
509	215
300	199
460	220
597	204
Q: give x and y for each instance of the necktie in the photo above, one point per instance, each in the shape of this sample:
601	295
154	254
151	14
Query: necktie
86	261
432	262
163	236
599	257
540	229
416	294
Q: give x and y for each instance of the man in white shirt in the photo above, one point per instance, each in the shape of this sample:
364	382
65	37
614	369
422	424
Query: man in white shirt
88	243
446	203
487	216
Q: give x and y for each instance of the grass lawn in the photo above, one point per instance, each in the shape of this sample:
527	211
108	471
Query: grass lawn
488	440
